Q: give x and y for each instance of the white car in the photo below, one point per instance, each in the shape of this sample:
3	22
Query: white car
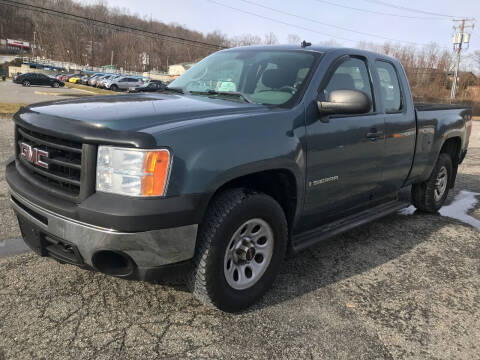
123	83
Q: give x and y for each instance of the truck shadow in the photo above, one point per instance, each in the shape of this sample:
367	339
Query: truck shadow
370	246
362	249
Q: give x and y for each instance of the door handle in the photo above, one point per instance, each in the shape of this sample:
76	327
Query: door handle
374	135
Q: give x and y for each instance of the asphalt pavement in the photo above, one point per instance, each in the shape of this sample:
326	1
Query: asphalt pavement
405	286
18	94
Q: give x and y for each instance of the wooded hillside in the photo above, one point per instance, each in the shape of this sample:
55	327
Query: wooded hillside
80	41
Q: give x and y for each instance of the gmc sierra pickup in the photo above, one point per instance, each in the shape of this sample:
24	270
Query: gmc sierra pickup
251	153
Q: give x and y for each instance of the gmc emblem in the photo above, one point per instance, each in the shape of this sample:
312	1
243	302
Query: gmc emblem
33	155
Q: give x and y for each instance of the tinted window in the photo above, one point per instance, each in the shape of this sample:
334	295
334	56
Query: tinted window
391	93
351	74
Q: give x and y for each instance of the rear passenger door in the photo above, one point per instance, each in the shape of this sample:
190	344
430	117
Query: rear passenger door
43	79
133	82
34	79
345	152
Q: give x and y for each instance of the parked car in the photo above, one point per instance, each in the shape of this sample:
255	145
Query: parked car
86	78
93	80
65	77
122	83
101	81
38	79
151	86
75	78
14	79
252	152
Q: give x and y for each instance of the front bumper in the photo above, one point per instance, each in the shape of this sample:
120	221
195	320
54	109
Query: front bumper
152	251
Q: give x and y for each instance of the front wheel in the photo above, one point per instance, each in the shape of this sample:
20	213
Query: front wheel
241	244
430	195
26	83
114	88
55	85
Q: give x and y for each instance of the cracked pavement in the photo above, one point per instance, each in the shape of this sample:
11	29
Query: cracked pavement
405	286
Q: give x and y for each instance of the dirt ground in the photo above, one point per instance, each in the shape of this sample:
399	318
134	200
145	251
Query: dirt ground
405	286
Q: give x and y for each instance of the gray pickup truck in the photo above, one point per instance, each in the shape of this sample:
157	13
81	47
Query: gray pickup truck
252	153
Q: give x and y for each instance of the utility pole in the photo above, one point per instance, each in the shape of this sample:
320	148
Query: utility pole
460	37
34	43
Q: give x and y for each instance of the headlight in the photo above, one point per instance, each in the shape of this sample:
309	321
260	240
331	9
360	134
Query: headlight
132	172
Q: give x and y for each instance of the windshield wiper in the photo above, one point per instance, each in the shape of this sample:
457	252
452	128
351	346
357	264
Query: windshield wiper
227	93
177	90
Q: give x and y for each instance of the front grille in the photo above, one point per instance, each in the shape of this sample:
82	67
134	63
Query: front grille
64	161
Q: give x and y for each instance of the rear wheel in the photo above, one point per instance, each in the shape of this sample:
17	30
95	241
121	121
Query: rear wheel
430	195
241	244
26	83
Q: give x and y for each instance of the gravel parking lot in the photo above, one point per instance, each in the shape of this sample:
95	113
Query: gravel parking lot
406	286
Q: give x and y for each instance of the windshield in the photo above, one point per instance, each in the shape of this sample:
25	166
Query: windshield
268	77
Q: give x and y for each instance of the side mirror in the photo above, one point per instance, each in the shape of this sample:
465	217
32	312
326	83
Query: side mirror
345	102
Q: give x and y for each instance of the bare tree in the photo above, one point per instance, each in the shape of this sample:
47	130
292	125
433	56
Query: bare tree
293	39
476	59
245	40
270	39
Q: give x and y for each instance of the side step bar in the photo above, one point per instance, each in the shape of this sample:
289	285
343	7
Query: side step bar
311	237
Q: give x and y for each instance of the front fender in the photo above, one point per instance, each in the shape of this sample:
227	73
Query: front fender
211	152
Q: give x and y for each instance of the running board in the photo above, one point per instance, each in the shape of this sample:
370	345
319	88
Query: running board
311	237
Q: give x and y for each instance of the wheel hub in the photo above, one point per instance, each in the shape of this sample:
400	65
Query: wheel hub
245	251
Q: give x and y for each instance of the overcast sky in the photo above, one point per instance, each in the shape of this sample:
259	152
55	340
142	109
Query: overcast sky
207	15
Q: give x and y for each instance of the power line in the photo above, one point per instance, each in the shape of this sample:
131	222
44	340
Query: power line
330	25
399	7
278	21
119	27
379	12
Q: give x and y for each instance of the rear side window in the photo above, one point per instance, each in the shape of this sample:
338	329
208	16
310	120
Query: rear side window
391	93
351	74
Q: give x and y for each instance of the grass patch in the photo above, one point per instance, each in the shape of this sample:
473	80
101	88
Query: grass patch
6	108
90	89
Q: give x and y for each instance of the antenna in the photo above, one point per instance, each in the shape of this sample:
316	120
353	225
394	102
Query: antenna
304	44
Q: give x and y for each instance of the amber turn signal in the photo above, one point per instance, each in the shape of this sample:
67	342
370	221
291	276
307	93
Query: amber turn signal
156	167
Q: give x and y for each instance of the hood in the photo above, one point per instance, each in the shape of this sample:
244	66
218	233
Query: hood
140	111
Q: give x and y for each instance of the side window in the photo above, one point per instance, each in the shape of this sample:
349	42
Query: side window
351	74
391	93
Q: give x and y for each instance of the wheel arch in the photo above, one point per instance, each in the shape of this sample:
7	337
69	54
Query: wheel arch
284	189
452	146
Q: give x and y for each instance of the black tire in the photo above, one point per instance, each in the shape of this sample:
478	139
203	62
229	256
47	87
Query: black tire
55	84
114	87
225	215
26	83
423	195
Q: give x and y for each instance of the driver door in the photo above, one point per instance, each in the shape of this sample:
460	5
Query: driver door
345	152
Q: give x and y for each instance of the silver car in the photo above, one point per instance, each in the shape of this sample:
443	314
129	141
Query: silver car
103	80
93	80
123	83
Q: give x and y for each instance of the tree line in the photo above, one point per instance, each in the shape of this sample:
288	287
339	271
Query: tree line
88	43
